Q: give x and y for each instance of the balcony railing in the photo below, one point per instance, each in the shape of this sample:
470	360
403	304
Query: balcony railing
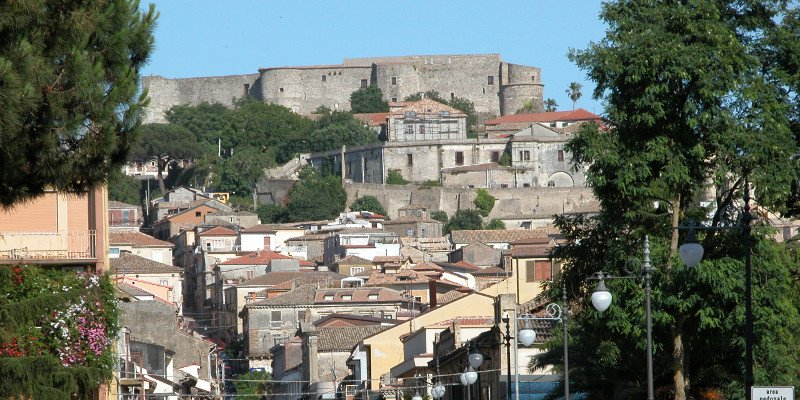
222	249
67	245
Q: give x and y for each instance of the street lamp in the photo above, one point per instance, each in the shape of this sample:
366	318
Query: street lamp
691	252
601	300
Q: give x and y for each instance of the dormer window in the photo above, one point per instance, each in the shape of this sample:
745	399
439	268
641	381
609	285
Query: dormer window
347	297
328	297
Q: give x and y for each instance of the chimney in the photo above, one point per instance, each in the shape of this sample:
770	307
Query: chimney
432	294
267	243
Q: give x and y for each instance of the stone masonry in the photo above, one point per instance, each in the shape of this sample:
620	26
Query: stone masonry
496	87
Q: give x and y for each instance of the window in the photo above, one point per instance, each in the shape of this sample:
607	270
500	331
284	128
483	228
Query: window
280	90
490	80
409	160
552	124
524	155
526	185
356	270
551	183
364	83
250	274
410	232
394	80
198	214
538	270
275	316
533	78
563	124
410	114
394	99
126	216
422	129
561	155
163	282
452	96
444	113
373	297
324	78
409	129
495	156
418	299
459	158
503	185
301	315
484	90
113	251
347	297
328	297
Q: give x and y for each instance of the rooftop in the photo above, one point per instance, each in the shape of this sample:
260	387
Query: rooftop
572	115
136	239
260	257
278	277
128	263
501	235
219	231
118	204
344	338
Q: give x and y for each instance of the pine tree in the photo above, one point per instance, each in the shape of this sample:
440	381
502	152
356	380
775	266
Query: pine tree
69	92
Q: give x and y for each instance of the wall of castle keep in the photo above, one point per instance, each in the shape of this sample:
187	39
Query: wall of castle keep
303	88
165	93
510	201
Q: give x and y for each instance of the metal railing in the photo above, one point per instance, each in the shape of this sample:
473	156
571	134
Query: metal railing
48	245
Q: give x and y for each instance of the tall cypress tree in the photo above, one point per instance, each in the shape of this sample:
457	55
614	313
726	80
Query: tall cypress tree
69	91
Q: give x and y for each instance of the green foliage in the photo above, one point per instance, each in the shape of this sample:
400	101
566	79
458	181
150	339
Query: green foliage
239	173
368	203
166	143
440	216
574	92
337	129
431	183
530	107
315	197
368	100
253	385
495	223
126	189
484	202
505	159
56	331
464	220
272	214
322	109
69	97
395	177
550	105
430	94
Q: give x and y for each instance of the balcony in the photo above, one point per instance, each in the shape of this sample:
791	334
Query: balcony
222	249
48	246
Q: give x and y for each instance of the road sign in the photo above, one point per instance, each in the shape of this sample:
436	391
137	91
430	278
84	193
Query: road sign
772	393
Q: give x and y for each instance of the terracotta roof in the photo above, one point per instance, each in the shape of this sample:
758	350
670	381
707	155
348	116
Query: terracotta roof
406	219
278	277
128	263
219	231
424	106
427	266
467	321
269	228
462	265
499	236
344	338
302	295
330	279
385	259
533	240
373	119
363	318
571	115
357	295
447	297
354	260
118	204
136	239
531	251
492	271
377	278
260	257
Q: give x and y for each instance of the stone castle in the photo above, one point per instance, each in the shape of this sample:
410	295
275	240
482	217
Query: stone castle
496	87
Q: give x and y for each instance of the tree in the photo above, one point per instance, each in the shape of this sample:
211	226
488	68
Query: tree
464	220
484	202
368	100
467	107
368	203
550	105
165	143
241	171
272	214
694	103
124	188
253	385
395	177
574	92
505	159
440	216
337	129
430	94
495	224
315	196
529	107
69	97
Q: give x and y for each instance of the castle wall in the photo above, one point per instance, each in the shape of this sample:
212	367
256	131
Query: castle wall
303	89
165	93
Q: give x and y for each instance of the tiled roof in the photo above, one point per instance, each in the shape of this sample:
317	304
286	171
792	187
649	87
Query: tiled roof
353	317
344	338
427	266
128	263
531	251
403	277
269	228
571	115
357	295
219	231
373	119
425	106
462	265
136	239
447	297
302	295
385	259
278	277
118	204
488	271
310	237
468	321
354	260
132	290
500	235
261	257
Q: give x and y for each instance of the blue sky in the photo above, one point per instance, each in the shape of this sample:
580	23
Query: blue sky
207	38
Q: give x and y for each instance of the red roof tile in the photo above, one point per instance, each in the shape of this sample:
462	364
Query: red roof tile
373	119
136	239
571	115
260	257
219	231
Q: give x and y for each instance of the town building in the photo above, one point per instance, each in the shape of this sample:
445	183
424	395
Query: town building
124	217
139	244
162	280
561	121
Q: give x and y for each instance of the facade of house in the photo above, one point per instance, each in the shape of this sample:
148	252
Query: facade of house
562	121
124	217
425	119
57	228
140	244
352	266
366	243
243	219
413	221
313	247
163	280
499	239
271	237
172	225
477	253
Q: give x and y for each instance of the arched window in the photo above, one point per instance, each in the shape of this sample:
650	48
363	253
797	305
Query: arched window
551	183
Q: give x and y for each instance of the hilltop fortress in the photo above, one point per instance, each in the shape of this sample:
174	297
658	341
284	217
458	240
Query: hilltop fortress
496	87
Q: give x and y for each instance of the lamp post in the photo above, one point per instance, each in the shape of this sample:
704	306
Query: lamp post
601	300
691	252
527	335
